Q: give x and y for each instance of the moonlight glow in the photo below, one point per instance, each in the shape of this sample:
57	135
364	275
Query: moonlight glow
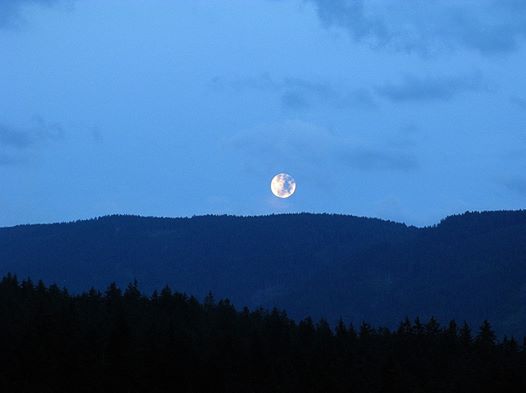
283	185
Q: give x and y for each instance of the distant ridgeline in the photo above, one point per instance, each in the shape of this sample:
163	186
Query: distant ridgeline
469	267
123	341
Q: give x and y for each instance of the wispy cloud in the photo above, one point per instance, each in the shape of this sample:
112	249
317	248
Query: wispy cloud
414	88
306	93
297	143
22	138
350	14
369	159
13	137
486	26
10	9
299	94
15	141
516	184
6	160
520	102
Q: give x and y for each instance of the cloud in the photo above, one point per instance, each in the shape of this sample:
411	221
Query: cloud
520	102
14	137
298	143
6	160
22	138
413	88
14	141
425	27
300	94
516	184
350	14
380	159
10	9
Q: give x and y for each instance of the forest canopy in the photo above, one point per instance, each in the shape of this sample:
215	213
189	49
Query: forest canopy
123	340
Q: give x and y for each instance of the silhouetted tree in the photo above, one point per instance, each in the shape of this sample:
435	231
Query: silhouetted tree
53	341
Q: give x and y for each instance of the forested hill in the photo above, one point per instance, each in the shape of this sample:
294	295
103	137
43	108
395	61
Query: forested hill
469	267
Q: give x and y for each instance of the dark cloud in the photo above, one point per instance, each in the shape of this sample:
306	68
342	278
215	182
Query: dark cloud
350	14
9	9
298	94
486	26
16	138
413	88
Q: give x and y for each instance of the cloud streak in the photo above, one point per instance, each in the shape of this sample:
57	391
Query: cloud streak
14	138
489	27
10	9
368	159
16	141
305	93
296	143
413	88
300	94
516	184
23	138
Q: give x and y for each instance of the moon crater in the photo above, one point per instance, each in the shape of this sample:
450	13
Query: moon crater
283	185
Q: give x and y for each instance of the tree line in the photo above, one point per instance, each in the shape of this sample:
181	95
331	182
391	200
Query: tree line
125	341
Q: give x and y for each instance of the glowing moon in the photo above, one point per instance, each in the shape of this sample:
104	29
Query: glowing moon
283	185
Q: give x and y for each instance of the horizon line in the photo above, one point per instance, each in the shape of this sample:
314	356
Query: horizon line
196	216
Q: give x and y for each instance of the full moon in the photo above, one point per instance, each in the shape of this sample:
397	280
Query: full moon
283	185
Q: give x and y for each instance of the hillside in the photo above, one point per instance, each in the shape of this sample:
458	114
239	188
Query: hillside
471	266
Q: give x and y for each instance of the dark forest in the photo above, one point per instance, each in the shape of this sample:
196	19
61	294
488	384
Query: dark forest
123	341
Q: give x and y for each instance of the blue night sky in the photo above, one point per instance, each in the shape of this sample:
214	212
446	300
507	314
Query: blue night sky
407	111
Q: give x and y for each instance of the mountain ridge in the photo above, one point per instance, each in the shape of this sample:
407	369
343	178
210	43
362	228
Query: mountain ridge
444	220
470	266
